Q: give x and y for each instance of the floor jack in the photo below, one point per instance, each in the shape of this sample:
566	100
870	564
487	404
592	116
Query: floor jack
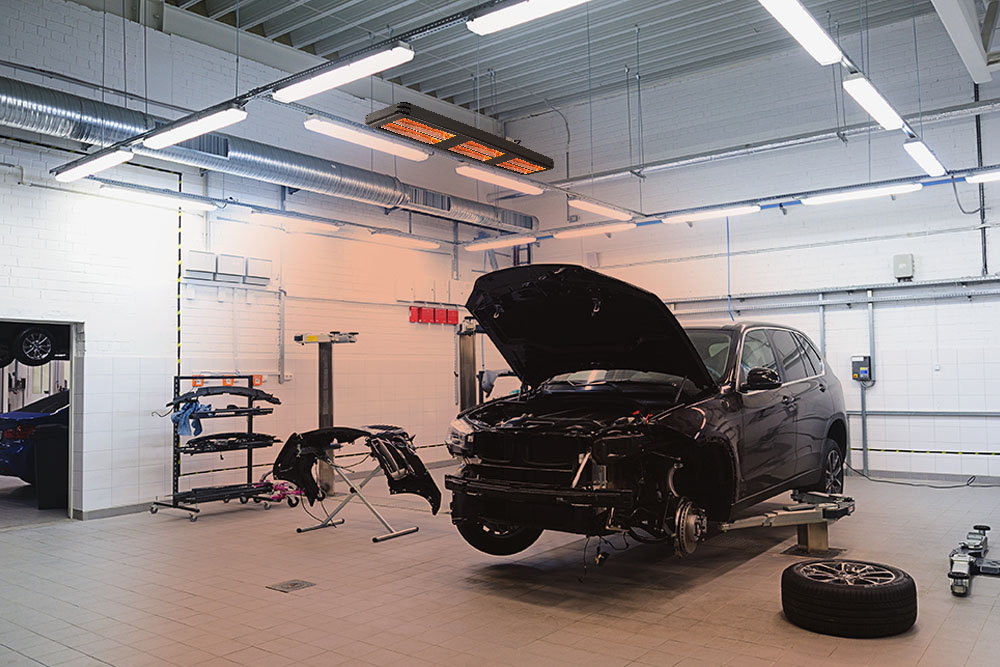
969	559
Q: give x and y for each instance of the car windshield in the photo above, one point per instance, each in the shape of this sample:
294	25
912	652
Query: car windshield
713	348
601	376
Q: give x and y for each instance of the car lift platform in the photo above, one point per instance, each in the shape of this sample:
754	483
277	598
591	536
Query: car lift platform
813	513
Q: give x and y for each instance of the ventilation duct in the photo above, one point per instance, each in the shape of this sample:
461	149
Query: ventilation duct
58	114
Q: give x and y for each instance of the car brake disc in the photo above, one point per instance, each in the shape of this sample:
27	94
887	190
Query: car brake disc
690	527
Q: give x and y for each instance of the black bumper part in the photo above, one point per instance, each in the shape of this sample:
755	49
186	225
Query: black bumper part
581	511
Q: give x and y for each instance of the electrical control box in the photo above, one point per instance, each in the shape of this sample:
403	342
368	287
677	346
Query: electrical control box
902	267
861	369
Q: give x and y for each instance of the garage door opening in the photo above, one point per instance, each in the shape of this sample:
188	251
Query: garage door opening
35	409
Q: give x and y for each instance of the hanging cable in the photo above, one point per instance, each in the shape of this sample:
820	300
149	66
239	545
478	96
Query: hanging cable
590	102
916	60
959	202
729	274
638	105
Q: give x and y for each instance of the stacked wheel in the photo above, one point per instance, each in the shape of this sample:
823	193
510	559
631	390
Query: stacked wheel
849	598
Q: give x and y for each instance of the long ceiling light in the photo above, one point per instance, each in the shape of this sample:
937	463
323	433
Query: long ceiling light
594	230
801	25
496	178
94	165
195	126
924	157
864	93
517	13
728	212
863	193
984	177
405	241
161	199
346	73
366	138
600	209
500	242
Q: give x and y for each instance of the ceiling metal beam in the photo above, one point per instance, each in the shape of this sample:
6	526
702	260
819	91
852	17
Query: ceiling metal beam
300	17
265	11
329	31
962	23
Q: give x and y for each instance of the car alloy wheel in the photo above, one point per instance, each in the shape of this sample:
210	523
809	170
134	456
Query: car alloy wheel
34	347
833	472
848	573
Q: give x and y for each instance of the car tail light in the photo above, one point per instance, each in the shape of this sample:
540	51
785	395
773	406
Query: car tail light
18	432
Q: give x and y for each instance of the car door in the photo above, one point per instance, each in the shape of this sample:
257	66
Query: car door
767	448
815	407
797	390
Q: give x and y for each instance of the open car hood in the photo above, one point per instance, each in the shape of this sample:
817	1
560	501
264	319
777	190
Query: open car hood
548	319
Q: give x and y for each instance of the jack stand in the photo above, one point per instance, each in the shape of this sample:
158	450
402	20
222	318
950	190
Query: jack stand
969	559
812	515
355	492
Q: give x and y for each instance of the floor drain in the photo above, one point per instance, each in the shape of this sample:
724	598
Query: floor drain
291	585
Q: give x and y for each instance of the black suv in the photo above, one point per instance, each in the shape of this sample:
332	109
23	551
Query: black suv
627	422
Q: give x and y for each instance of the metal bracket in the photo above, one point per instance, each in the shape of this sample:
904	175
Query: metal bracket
813	513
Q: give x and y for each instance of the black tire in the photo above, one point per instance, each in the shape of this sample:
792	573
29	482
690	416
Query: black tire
832	469
498	540
849	598
34	346
292	502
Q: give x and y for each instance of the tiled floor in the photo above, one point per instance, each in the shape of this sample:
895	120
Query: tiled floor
159	590
19	507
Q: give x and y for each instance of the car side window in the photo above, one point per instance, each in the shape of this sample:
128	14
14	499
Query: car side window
811	354
791	355
757	353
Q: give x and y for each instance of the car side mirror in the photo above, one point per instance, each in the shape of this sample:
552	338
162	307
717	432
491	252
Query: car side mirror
762	378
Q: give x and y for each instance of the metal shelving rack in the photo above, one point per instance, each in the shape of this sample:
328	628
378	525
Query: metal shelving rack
188	500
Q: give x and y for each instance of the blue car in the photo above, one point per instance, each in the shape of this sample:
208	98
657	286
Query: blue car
20	431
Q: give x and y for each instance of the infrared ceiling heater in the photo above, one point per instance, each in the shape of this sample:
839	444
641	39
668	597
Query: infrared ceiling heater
443	133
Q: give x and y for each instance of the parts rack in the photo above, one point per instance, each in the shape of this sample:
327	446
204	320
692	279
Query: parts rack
188	500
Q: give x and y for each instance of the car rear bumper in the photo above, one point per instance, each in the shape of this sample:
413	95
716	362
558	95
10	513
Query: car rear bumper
582	511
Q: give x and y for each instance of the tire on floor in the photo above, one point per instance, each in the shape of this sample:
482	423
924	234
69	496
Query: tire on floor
849	598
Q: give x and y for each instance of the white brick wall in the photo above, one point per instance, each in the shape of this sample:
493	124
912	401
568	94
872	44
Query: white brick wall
112	267
784	95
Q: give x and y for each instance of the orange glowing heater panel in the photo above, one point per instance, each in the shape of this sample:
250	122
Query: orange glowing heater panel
414	129
476	151
521	166
426	127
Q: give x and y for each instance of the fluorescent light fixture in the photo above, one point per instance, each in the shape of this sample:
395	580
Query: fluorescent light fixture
405	241
278	218
196	126
364	137
162	199
93	165
492	176
518	13
730	212
600	209
339	75
594	230
864	93
924	157
801	25
984	177
500	242
862	193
